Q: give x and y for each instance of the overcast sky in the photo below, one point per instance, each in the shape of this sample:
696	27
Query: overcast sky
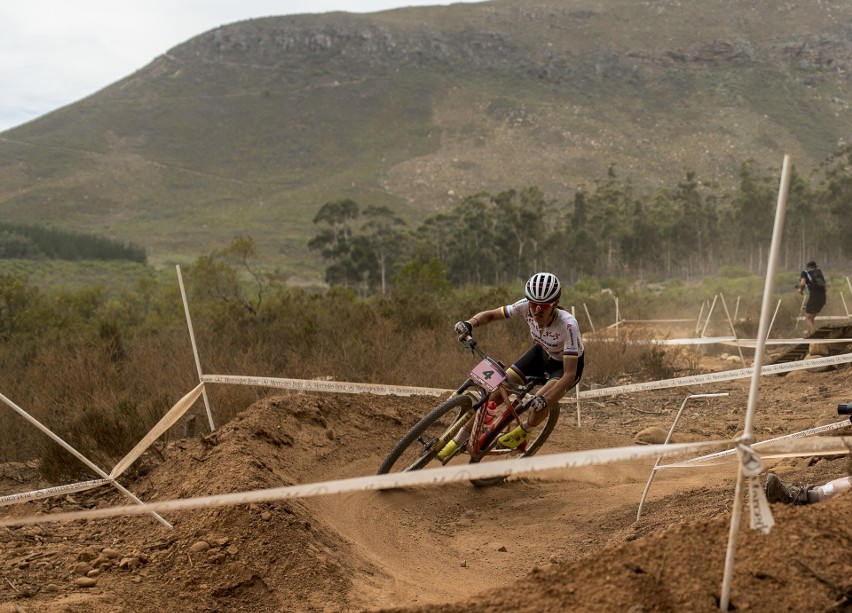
55	52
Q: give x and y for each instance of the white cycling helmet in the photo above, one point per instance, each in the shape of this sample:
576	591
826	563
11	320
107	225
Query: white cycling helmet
543	287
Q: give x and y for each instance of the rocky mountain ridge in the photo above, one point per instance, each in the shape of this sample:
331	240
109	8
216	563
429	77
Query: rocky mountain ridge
251	127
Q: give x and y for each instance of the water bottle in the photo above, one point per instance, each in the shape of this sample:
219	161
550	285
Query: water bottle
490	413
489	417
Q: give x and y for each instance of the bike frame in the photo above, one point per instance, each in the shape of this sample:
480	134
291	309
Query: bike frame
486	378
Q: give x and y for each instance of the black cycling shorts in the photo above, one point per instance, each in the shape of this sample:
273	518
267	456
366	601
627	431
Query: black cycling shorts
537	363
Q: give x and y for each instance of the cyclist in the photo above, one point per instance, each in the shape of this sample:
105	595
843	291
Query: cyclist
557	353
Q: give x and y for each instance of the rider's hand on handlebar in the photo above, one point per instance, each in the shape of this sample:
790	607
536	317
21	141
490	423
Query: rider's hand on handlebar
464	328
538	403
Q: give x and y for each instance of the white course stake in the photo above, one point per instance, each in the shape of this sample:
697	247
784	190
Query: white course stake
194	348
747	461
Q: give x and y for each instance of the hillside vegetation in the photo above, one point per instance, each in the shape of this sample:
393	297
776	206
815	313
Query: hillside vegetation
250	128
100	367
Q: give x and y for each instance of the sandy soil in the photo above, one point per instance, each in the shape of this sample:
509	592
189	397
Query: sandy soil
563	540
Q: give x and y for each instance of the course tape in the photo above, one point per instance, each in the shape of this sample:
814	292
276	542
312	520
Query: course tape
715	377
704	340
712	340
655	321
804	433
750	342
313	385
810	446
52	491
166	422
426	477
447	474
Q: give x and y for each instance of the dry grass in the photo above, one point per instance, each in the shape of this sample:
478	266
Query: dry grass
101	388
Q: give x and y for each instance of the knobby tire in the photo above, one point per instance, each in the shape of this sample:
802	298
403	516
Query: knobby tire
417	448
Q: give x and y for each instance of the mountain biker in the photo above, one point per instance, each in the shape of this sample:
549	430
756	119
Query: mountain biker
557	353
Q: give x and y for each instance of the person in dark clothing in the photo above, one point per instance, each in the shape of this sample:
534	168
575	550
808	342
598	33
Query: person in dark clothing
789	493
812	281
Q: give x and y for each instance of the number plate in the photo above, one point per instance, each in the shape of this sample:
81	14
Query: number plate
489	374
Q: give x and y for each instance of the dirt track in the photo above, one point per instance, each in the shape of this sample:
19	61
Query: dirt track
569	537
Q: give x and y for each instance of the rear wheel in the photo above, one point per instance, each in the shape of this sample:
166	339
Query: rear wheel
490	448
418	447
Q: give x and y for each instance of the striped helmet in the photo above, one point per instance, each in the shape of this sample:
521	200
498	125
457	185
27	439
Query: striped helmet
543	287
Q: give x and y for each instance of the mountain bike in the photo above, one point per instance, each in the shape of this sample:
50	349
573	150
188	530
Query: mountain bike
486	381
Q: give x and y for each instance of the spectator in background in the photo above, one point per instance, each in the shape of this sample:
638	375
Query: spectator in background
812	281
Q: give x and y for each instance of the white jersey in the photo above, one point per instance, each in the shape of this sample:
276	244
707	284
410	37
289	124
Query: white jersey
560	339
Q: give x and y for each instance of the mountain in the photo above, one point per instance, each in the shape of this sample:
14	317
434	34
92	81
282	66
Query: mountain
251	127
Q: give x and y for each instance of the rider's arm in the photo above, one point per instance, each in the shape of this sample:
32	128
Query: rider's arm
484	317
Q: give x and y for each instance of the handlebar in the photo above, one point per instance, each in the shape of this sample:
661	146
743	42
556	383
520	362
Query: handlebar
469	341
471	344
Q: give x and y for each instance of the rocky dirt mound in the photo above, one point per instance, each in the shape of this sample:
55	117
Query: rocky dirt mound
804	564
270	557
564	540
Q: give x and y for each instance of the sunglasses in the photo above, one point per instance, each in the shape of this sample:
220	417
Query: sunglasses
541	306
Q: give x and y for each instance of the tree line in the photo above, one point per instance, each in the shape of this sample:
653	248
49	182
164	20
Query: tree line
687	231
23	241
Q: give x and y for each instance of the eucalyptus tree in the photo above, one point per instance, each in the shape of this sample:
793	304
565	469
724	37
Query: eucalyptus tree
753	215
807	223
386	239
537	223
468	237
695	231
643	245
435	238
521	231
581	246
478	249
610	208
18	246
334	240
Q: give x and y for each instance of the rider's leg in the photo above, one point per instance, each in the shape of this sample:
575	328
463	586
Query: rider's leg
778	491
534	418
810	326
830	489
531	420
463	434
533	363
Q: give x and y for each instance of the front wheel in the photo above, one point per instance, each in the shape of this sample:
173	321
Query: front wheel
419	446
490	448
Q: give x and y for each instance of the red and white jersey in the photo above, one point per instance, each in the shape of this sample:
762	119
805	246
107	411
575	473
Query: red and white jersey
560	339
